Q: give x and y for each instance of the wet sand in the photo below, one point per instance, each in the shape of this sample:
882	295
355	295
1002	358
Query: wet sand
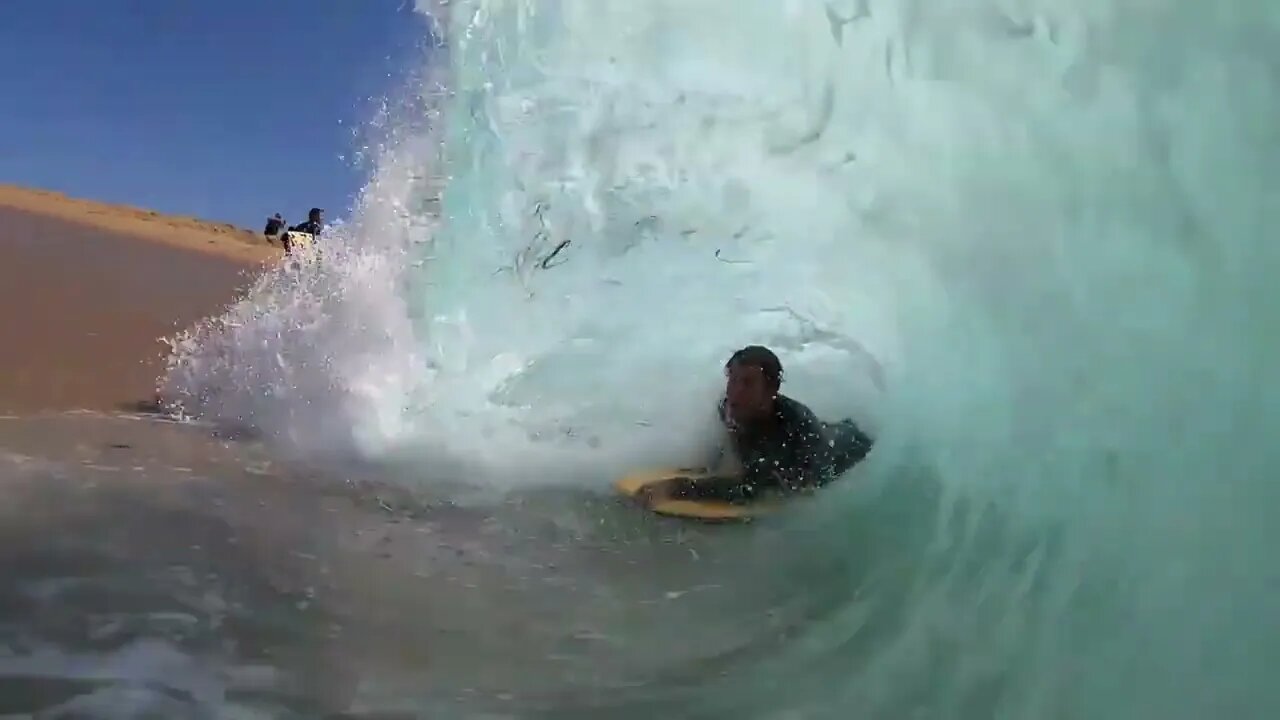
82	310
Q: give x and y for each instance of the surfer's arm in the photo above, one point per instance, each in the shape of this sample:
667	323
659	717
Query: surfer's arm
728	489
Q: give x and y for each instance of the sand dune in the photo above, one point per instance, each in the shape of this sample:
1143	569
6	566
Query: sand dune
88	289
186	232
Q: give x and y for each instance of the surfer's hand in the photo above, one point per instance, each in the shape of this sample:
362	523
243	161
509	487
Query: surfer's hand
663	491
651	494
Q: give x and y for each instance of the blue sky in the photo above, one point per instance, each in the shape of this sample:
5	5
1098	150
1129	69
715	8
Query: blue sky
224	109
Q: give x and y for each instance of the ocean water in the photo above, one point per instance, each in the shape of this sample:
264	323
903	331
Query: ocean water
1028	244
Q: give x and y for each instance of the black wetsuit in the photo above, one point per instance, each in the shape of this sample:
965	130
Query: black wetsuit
795	451
310	227
274	225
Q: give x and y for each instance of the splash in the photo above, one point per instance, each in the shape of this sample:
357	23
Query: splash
1046	221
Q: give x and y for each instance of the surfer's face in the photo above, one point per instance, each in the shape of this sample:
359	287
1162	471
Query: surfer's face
748	394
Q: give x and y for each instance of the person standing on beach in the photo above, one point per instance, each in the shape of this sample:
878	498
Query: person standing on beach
274	228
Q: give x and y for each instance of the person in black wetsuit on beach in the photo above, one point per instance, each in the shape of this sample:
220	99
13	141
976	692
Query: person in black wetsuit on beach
774	444
274	229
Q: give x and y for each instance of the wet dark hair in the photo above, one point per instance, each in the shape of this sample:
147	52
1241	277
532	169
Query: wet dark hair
761	357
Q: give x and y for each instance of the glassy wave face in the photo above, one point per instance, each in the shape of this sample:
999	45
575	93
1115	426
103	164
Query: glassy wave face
1027	243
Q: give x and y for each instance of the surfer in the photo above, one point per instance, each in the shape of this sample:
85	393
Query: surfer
313	226
773	443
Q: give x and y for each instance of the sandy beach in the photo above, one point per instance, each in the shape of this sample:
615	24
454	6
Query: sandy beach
91	288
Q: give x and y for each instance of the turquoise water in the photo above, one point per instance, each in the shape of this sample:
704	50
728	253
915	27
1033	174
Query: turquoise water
1026	242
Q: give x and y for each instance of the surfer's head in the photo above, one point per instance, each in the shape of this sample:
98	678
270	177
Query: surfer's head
754	375
316	215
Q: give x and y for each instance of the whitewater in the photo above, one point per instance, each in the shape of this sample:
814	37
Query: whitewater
1027	243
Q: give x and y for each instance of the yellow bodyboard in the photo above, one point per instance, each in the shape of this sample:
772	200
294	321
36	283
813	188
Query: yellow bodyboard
300	240
713	510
